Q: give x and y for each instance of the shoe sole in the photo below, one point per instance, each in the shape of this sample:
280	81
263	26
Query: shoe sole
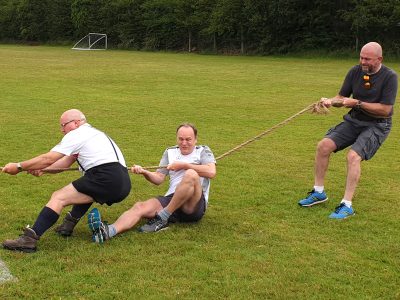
21	249
314	203
64	233
94	221
348	216
142	231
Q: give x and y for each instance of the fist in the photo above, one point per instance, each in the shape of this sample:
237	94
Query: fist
10	168
326	102
137	169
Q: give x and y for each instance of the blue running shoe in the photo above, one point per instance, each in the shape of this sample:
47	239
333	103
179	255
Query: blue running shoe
102	234
313	198
342	212
100	231
94	220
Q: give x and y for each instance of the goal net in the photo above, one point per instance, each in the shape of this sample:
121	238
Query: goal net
92	41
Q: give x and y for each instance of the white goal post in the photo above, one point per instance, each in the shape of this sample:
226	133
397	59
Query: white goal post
92	41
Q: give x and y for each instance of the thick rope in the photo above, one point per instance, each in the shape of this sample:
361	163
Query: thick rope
317	108
311	106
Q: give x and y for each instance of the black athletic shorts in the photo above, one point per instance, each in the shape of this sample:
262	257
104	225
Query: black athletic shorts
179	215
107	183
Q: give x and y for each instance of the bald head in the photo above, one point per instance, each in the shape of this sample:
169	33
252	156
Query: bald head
71	120
371	57
73	114
374	48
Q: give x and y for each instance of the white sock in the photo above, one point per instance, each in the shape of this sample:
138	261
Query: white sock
319	188
346	202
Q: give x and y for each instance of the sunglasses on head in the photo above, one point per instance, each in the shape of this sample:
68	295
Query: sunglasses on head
367	84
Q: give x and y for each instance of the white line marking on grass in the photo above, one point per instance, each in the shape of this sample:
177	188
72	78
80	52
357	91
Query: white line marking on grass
5	274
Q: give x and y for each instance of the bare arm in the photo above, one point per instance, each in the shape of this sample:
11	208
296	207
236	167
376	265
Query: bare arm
208	170
154	177
37	163
62	163
378	110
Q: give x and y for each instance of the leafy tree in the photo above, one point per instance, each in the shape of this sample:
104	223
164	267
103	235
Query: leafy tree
229	21
163	31
33	21
86	16
375	21
123	23
59	20
9	20
192	16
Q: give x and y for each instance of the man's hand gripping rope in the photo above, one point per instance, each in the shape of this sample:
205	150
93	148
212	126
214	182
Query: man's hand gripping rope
322	106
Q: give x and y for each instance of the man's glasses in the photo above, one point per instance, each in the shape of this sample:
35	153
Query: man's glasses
367	84
66	123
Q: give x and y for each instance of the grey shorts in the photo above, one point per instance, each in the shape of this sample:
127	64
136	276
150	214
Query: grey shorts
365	137
179	215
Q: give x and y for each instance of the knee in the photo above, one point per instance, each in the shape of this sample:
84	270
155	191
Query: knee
326	147
190	176
57	199
353	157
138	206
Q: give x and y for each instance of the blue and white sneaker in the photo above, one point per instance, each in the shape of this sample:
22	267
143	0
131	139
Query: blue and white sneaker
313	198
102	234
342	212
94	219
100	231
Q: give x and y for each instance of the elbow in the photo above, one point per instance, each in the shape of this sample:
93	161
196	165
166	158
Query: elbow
212	174
388	113
387	110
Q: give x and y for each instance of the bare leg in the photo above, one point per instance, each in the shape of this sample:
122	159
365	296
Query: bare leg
187	193
353	174
324	149
131	217
68	195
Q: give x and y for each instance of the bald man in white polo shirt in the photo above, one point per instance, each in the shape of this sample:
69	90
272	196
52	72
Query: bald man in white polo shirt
105	181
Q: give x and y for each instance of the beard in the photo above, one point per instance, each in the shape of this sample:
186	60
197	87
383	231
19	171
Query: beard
370	69
367	68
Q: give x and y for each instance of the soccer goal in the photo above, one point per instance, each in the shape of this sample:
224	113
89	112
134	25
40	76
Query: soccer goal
92	41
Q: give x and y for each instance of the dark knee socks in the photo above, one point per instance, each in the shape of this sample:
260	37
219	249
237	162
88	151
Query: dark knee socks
47	218
79	210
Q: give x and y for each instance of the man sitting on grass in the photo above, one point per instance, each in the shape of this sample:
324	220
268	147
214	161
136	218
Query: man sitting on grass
190	169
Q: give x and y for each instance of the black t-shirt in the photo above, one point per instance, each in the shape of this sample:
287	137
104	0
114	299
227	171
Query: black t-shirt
382	89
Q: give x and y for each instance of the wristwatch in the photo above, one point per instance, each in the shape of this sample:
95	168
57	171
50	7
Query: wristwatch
19	167
358	105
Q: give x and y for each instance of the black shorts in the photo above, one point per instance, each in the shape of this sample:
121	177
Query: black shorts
179	215
365	137
107	183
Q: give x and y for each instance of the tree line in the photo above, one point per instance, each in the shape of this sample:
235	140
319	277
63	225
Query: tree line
218	26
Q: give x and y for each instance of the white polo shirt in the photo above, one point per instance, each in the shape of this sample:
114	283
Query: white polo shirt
201	155
91	147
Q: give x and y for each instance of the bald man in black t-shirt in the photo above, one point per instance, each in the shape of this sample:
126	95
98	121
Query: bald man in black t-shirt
365	127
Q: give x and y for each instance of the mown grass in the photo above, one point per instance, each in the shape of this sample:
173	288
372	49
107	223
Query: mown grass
254	242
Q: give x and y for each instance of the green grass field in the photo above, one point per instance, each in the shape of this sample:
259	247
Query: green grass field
254	242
